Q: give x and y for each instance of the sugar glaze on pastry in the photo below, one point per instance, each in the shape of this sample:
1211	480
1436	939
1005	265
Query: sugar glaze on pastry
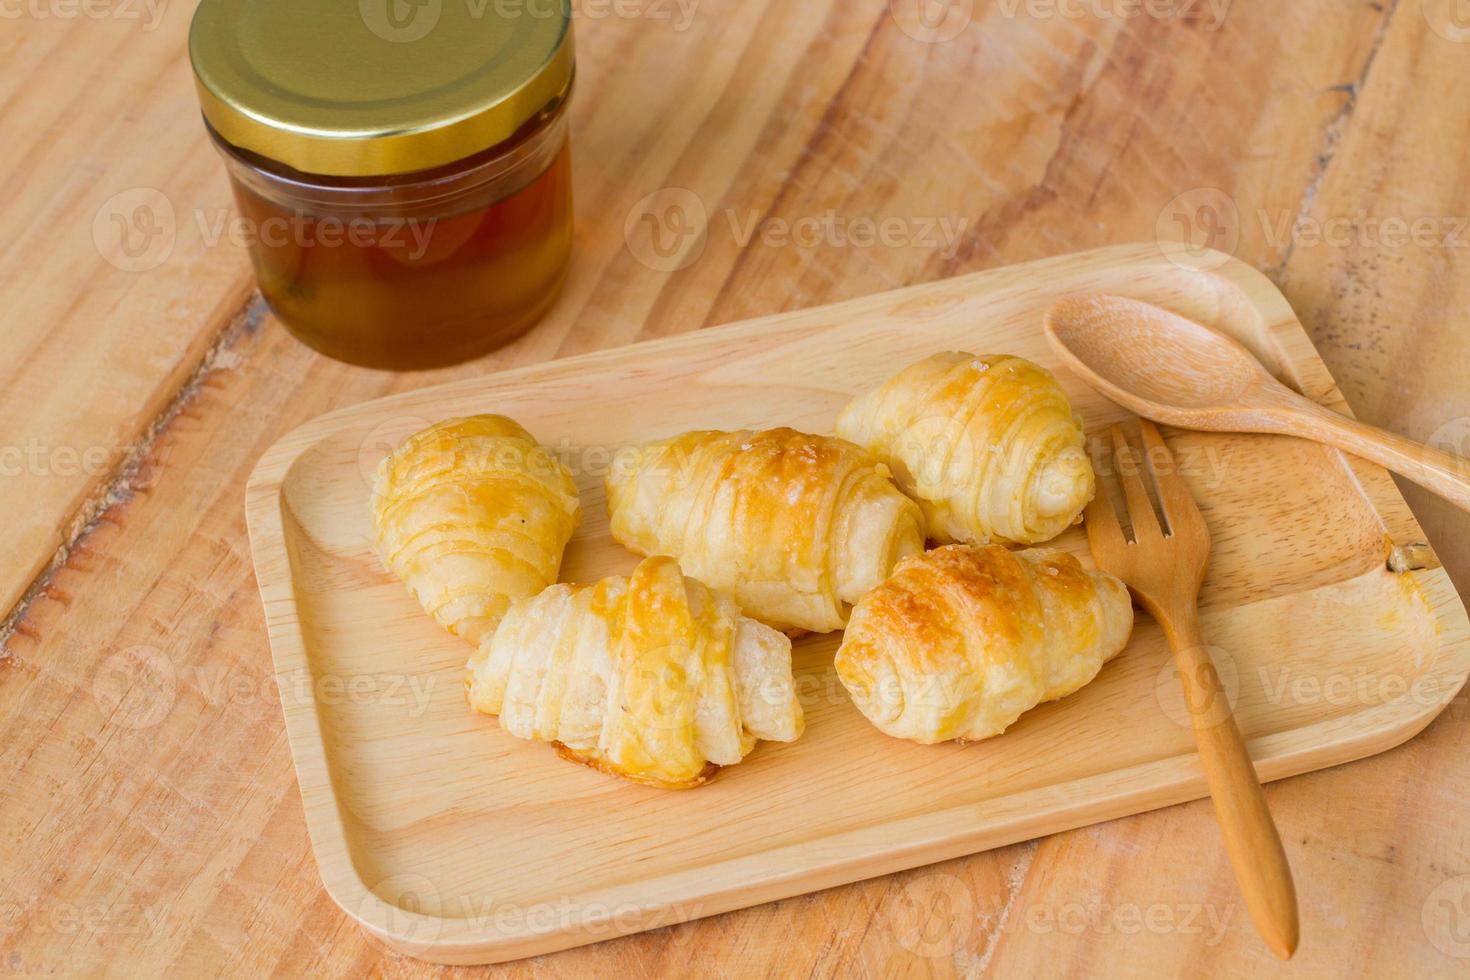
963	639
796	526
654	677
471	514
988	445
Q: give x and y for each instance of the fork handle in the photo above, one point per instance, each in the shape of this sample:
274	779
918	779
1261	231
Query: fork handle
1250	834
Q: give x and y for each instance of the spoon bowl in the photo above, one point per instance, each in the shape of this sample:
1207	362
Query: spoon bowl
1162	365
1171	369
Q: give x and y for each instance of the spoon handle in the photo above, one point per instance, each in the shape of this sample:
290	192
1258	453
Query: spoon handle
1444	473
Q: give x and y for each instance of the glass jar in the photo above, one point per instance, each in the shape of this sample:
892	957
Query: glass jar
405	186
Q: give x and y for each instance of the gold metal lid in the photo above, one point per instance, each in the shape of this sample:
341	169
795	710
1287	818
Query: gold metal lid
376	87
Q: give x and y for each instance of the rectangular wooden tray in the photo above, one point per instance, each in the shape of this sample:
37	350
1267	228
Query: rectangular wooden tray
456	843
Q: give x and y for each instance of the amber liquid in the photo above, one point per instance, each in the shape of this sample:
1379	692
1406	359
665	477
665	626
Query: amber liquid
397	284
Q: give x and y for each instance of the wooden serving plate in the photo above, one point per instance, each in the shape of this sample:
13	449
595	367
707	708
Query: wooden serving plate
456	843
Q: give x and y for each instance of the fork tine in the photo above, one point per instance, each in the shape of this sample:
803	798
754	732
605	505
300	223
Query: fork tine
1130	474
1099	519
1180	509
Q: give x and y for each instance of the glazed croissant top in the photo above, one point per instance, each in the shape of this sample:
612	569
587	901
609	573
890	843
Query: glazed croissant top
963	639
472	513
655	677
796	526
988	446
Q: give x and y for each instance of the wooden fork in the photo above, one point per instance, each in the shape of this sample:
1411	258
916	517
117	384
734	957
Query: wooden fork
1163	569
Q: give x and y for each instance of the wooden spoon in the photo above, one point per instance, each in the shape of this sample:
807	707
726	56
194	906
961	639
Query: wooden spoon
1171	369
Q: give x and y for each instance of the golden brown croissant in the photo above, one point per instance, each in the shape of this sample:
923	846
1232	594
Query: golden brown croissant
987	445
472	513
961	640
796	526
655	677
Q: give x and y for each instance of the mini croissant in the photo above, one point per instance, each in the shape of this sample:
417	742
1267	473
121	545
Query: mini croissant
961	640
987	445
796	526
655	678
471	514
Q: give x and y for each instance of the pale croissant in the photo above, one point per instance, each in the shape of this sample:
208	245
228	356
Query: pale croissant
471	513
988	445
797	527
961	640
656	677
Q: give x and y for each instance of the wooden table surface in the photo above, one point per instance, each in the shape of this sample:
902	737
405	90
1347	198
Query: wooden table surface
149	818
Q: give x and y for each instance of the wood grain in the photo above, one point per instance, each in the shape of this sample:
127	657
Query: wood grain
103	322
1164	566
407	795
1388	308
1047	134
1169	369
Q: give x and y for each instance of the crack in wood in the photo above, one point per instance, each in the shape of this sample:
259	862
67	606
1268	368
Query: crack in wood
1332	136
124	482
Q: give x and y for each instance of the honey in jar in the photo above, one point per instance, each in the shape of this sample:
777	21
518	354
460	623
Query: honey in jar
404	180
